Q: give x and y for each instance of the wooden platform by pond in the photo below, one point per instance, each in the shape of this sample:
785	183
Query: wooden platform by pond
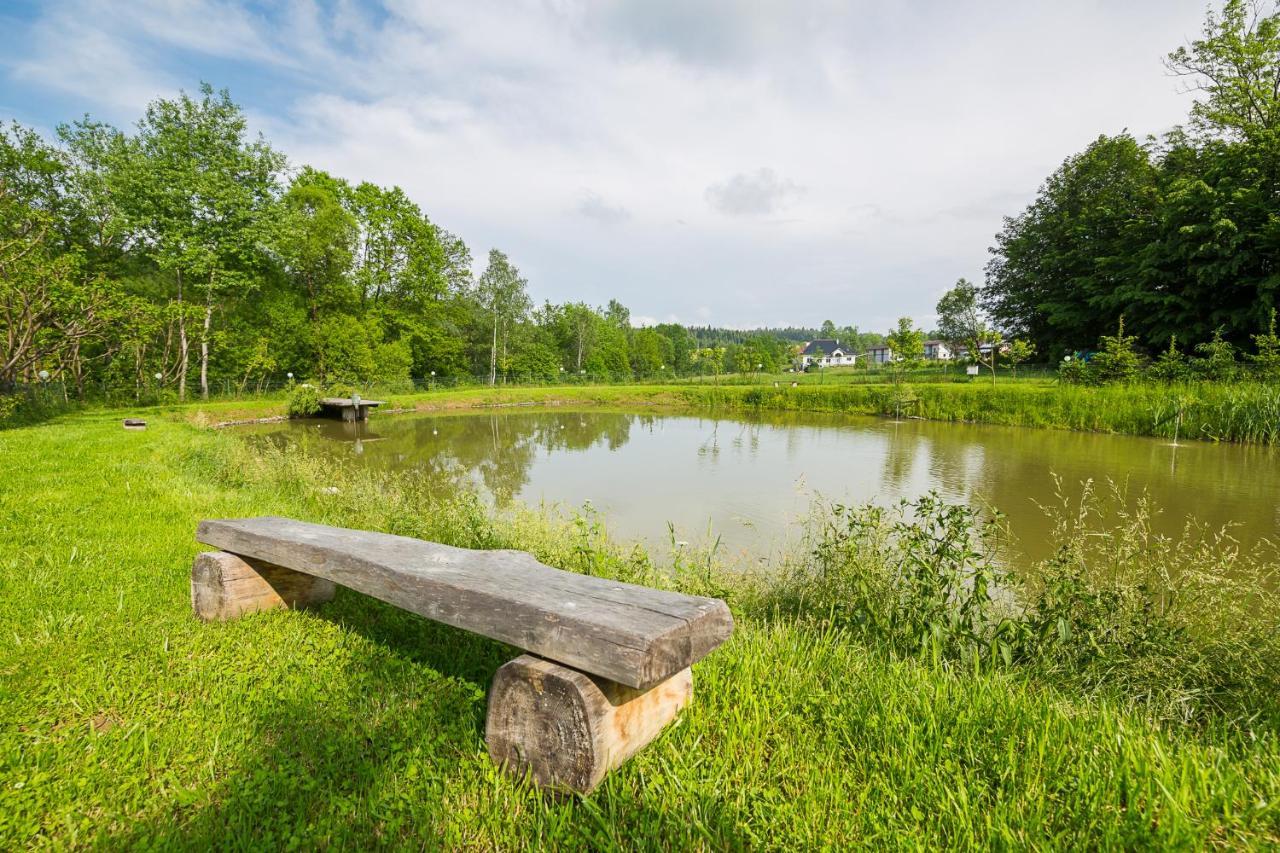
609	664
348	408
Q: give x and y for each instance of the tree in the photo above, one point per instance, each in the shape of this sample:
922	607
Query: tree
582	322
828	329
1118	360
683	346
502	296
92	216
344	351
984	348
650	352
1067	264
31	273
618	314
1019	352
907	343
1218	362
314	239
199	192
1176	234
400	258
49	310
1236	65
1172	365
710	358
959	318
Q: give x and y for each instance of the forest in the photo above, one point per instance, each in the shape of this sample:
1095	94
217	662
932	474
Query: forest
1178	234
187	256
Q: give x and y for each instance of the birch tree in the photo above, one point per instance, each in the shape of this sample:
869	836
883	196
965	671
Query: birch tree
200	191
501	294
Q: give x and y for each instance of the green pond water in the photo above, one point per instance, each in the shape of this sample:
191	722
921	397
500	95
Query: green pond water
749	479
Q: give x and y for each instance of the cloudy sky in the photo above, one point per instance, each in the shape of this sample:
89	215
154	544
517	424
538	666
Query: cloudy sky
737	162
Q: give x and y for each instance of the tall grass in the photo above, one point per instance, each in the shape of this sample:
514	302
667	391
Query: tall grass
1185	628
1243	412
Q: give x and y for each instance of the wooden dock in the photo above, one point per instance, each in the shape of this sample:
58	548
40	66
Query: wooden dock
347	408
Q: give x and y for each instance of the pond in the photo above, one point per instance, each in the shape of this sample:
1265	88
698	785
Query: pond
749	479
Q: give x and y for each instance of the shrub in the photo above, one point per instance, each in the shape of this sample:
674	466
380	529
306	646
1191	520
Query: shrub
304	401
1118	360
1171	366
1267	360
1219	359
1073	371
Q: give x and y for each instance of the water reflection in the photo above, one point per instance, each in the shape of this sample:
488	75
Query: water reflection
749	478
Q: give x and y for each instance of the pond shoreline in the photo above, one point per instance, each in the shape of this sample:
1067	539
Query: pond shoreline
741	477
1244	413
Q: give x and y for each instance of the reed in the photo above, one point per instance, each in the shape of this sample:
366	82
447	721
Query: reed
1238	412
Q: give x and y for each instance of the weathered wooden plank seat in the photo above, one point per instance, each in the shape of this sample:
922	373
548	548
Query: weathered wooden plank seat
612	663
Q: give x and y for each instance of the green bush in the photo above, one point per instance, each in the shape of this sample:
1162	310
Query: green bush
304	401
1119	360
1171	366
1073	371
1266	361
1219	359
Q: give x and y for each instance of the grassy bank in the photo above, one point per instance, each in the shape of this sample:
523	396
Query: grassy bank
1246	412
837	714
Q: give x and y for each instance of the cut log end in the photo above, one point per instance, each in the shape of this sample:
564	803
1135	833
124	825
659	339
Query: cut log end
226	586
566	729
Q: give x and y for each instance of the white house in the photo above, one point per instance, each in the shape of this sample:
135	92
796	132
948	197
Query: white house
882	354
937	351
826	352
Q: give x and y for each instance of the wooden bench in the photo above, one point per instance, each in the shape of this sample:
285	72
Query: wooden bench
608	663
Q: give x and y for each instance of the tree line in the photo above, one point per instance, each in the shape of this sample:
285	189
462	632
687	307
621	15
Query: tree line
1179	235
186	254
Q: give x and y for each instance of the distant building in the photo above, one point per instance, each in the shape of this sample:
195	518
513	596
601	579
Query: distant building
937	351
882	354
826	352
984	350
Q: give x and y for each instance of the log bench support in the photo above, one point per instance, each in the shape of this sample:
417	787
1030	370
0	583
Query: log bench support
225	586
565	729
565	725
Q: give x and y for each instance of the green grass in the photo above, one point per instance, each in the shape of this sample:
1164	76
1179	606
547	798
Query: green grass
1244	412
1234	412
1238	412
124	722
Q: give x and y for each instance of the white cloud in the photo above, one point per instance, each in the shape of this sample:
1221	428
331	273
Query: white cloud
594	207
911	127
752	194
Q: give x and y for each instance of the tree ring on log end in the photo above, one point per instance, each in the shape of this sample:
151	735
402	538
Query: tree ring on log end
538	724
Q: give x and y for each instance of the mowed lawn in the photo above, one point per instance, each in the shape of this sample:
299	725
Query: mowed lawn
125	722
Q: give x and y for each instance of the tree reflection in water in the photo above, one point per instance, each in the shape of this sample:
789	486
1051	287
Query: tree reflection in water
750	476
